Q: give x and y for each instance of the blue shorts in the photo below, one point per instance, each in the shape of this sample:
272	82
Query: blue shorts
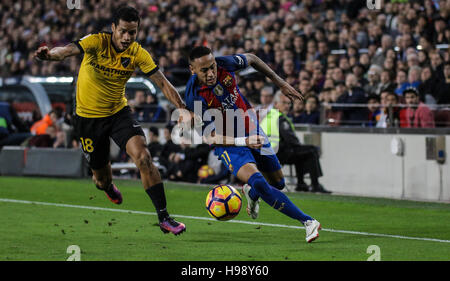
234	157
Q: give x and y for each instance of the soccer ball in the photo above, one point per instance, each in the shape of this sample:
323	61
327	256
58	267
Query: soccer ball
223	202
205	171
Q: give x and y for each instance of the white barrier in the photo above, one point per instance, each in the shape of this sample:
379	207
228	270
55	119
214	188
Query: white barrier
363	164
21	161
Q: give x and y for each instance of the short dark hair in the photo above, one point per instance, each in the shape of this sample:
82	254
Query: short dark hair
373	97
412	90
387	91
394	95
154	130
126	13
198	52
313	96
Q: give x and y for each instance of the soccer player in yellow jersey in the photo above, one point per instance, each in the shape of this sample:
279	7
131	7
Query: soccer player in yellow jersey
101	107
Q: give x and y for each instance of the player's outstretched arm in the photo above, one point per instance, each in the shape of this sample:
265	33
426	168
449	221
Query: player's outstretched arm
168	89
57	53
263	68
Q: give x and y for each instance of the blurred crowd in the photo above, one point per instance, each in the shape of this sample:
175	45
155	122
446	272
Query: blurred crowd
335	52
53	130
355	66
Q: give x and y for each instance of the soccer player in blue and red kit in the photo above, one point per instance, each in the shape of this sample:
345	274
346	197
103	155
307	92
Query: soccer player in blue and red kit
245	151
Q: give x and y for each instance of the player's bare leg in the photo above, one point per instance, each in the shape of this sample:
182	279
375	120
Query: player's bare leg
103	180
151	180
275	179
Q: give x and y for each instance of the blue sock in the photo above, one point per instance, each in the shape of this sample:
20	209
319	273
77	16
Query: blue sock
275	198
279	185
254	195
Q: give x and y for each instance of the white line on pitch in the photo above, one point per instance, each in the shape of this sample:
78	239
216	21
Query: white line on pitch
211	219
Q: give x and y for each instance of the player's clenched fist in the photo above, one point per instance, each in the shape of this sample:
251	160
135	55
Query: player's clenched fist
255	141
43	53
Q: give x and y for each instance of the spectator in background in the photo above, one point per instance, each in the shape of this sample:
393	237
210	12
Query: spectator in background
333	114
338	75
154	146
318	78
12	129
389	115
289	149
443	89
424	60
325	96
188	159
402	82
373	105
440	26
358	71
53	137
412	60
373	87
155	113
364	60
297	110
437	64
288	68
353	115
140	106
169	148
177	68
49	119
389	63
305	86
417	114
311	114
73	143
380	55
266	101
340	90
427	86
386	83
414	77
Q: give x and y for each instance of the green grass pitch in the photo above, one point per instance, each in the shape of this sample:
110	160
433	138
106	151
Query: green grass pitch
82	215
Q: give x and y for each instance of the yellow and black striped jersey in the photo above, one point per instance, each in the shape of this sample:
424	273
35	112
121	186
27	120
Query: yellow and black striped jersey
104	72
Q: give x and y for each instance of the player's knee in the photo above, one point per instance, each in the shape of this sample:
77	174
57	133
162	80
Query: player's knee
258	182
280	185
143	160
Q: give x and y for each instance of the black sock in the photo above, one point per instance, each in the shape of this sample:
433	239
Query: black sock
158	197
314	182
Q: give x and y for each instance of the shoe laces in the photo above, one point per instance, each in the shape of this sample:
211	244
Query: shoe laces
171	221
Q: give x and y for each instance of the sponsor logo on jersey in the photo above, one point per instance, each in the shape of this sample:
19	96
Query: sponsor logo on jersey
227	81
125	61
110	70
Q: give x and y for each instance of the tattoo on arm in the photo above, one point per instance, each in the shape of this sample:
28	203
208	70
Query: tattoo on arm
60	53
72	49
